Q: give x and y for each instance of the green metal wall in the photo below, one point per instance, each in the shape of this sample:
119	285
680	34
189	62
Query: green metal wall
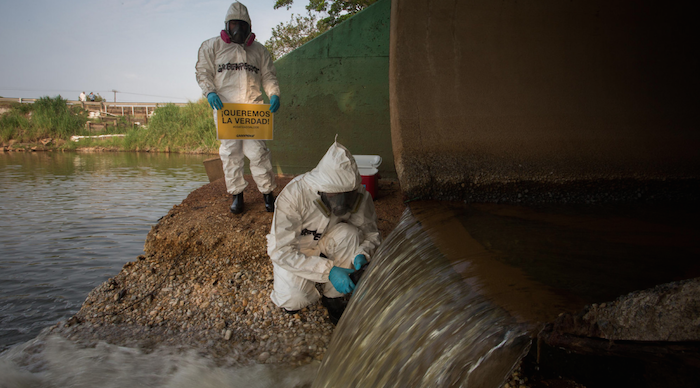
336	84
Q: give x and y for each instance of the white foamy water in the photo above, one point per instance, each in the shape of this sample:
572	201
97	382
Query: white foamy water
51	361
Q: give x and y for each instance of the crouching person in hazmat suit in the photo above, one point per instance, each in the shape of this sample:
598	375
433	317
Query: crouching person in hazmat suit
231	68
324	228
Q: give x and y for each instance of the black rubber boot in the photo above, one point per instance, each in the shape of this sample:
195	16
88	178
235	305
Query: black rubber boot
335	307
269	202
237	204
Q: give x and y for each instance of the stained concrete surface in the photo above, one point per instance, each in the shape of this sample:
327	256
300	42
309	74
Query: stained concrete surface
573	101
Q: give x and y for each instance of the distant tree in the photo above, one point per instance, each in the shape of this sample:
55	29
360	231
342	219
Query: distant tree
288	36
301	29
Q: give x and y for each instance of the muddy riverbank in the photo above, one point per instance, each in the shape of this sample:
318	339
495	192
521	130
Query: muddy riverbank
204	283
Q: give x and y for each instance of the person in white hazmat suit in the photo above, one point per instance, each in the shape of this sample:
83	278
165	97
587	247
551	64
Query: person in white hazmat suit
324	228
232	68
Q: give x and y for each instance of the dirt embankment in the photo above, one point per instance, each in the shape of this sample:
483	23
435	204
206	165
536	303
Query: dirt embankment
204	282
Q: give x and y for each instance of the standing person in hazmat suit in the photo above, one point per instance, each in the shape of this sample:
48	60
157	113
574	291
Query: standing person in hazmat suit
232	68
324	228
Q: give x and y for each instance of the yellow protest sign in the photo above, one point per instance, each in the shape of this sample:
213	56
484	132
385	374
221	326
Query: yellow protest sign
244	121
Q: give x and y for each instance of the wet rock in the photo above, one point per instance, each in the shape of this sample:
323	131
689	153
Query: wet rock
264	356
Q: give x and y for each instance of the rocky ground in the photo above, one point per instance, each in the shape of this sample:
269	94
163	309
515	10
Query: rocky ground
204	283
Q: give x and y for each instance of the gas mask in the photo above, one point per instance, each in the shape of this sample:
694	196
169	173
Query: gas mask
341	203
238	30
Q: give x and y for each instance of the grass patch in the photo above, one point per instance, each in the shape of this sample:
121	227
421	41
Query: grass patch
171	128
53	117
13	124
176	129
47	117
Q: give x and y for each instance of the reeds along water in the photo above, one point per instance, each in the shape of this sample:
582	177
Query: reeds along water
416	320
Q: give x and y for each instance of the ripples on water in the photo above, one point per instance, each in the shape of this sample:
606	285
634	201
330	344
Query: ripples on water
69	221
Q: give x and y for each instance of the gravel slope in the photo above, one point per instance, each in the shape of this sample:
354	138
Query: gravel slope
204	283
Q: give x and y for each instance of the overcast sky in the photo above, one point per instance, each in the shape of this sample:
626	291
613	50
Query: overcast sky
144	49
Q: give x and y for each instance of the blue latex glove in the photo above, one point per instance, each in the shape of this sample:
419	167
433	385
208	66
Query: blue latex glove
214	101
340	279
274	103
359	261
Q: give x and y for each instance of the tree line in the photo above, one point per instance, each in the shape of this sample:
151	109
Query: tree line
322	15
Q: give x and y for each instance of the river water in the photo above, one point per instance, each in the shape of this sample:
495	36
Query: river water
69	221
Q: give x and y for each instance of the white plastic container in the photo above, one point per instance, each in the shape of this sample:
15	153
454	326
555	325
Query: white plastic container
369	171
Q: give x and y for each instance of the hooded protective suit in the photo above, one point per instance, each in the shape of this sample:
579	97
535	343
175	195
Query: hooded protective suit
303	228
236	73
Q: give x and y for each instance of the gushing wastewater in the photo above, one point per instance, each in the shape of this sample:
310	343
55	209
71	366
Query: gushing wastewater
456	293
415	322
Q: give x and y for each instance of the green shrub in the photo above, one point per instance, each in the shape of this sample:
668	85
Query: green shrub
12	124
53	117
22	108
15	123
190	127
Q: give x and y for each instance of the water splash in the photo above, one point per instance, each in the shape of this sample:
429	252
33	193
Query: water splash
52	361
415	321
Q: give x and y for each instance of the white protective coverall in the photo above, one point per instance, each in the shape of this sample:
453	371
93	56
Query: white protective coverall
236	72
303	228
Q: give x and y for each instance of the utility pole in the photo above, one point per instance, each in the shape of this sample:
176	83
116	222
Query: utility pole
115	95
